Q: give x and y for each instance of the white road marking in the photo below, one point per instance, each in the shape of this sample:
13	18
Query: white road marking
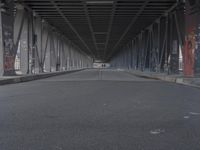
194	113
157	131
186	117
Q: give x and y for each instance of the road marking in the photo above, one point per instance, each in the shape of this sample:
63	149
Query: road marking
157	131
100	74
194	113
186	117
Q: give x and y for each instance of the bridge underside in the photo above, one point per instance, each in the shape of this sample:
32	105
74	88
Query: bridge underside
100	27
57	35
124	107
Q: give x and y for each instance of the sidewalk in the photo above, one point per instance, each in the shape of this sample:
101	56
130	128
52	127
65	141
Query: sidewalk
179	79
25	78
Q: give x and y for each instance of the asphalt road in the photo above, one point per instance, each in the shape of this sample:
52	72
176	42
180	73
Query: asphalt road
99	110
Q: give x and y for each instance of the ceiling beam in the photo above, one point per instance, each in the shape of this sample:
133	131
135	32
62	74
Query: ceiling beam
71	26
90	25
128	28
110	27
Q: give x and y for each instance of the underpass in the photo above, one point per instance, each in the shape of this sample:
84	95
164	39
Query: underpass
99	74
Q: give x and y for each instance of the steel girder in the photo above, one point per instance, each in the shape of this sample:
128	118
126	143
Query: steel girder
32	45
158	47
100	28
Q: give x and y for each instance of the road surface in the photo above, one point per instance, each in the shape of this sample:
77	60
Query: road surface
99	110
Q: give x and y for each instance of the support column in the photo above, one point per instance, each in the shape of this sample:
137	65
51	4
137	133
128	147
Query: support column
7	52
192	39
38	45
46	60
24	62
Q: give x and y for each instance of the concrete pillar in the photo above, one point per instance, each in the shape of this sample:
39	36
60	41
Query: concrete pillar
58	50
7	51
24	62
63	56
53	52
192	39
38	48
46	46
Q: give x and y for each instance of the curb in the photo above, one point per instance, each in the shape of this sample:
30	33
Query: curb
176	80
28	78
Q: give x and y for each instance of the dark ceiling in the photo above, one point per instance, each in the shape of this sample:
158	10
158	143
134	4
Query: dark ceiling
100	27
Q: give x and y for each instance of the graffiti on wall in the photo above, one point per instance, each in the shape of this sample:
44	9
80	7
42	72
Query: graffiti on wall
197	52
174	59
189	53
7	37
9	56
